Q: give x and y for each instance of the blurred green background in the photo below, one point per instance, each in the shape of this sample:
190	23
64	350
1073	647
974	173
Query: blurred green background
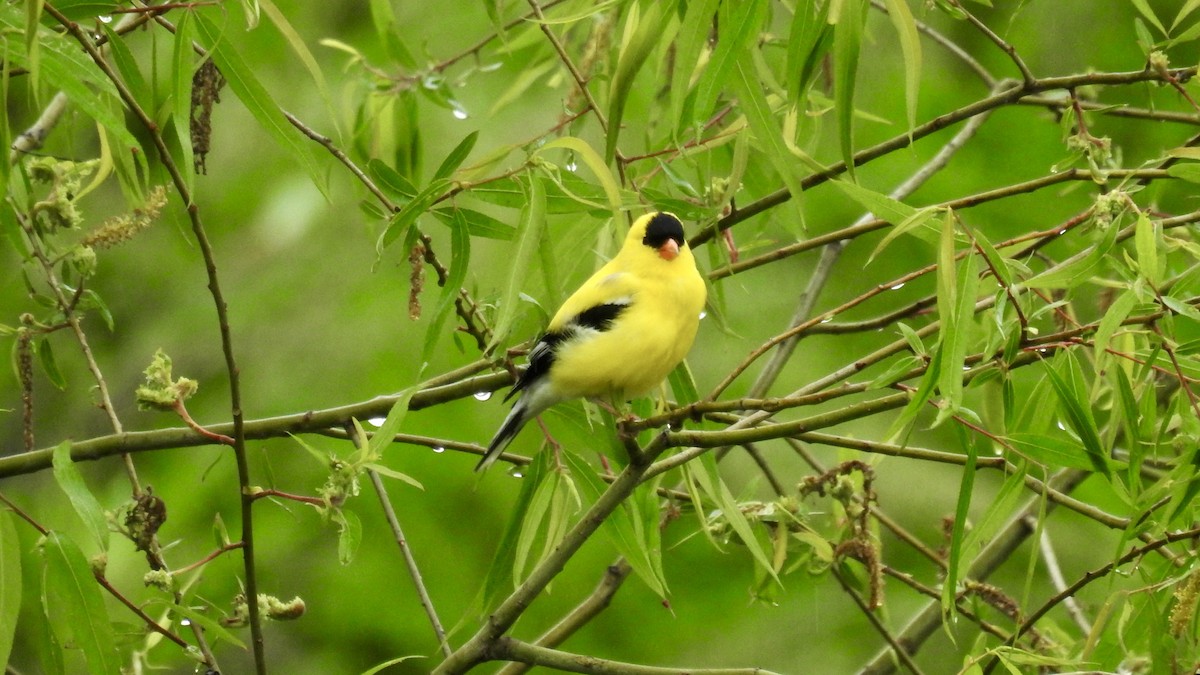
318	321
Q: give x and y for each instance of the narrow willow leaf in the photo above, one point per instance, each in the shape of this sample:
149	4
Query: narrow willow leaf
847	40
392	473
997	513
902	426
390	180
499	577
958	563
738	26
910	48
460	260
808	41
10	583
683	384
529	237
997	262
300	49
1188	7
38	630
1189	171
895	372
957	317
212	628
349	536
693	37
597	165
456	157
917	225
75	607
879	204
1181	307
619	526
391	424
710	482
1068	385
533	524
49	364
1051	450
401	223
1116	314
71	482
1078	268
1144	8
245	85
478	224
391	662
1146	244
647	34
753	102
127	66
584	197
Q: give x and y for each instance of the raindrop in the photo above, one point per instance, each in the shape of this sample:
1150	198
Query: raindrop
966	367
572	166
1062	231
482	395
898	286
517	474
827	319
1059	424
457	110
104	18
377	421
185	622
438	449
703	314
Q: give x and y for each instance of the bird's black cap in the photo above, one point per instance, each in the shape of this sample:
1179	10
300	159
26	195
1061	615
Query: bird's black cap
663	226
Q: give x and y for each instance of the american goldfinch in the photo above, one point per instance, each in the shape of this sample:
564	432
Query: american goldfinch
620	334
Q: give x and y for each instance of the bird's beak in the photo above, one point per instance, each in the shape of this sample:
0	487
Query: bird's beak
669	250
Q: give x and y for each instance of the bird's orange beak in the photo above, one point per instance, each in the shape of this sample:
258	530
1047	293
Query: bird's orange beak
669	250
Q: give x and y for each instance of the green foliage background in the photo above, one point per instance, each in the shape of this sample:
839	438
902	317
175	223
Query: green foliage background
321	318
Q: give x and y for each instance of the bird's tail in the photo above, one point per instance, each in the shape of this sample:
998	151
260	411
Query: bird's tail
517	417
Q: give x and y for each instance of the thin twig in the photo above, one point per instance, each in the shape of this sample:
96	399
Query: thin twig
511	649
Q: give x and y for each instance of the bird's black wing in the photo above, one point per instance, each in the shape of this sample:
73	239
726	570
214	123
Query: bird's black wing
598	318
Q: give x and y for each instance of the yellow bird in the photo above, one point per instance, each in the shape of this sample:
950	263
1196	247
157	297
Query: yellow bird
620	334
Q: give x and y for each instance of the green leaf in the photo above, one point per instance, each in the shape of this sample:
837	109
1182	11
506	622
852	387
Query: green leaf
958	563
532	524
10	583
127	66
213	629
621	526
392	473
1188	7
75	607
910	47
1144	8
529	237
391	424
389	663
808	42
478	224
49	365
1116	314
1146	244
1189	171
599	168
1078	268
647	32
956	309
456	157
182	71
499	576
896	372
709	480
1181	308
693	37
400	223
1051	450
997	262
738	26
390	180
67	475
847	41
245	85
460	259
349	535
753	102
903	423
1072	396
300	49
